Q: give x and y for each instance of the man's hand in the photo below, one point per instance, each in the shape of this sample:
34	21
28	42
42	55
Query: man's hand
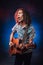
10	44
20	45
30	40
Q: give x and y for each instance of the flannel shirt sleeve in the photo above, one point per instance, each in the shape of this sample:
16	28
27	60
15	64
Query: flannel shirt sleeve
31	32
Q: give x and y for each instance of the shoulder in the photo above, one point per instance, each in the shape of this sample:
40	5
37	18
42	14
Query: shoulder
30	28
14	27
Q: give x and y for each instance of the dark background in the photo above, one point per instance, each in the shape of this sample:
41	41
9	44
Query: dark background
7	10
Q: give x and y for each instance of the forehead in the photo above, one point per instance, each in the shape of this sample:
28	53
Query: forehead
20	11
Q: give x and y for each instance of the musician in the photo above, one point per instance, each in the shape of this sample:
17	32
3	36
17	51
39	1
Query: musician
26	33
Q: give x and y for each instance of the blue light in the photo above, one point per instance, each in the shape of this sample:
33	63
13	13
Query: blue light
37	28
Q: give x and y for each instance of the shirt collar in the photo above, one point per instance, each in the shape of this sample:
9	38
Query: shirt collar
24	26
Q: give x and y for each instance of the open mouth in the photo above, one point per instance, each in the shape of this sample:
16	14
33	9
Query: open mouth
19	18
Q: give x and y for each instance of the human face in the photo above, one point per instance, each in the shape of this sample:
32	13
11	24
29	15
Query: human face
20	16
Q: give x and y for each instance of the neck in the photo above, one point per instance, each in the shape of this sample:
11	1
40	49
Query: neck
23	23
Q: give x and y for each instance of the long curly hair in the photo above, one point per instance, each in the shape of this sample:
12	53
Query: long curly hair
26	16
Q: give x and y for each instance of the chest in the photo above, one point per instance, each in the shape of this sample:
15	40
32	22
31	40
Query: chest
20	30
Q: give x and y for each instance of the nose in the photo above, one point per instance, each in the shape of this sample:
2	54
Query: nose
18	15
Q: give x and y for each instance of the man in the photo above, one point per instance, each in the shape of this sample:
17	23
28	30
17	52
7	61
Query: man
26	33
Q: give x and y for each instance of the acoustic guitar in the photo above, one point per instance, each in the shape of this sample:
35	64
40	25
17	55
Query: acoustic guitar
17	49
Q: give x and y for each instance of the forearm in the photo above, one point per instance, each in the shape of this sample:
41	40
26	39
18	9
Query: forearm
11	36
30	44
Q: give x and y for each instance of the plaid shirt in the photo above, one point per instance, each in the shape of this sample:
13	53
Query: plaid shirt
21	31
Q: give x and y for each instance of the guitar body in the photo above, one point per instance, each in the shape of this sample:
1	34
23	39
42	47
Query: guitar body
13	49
